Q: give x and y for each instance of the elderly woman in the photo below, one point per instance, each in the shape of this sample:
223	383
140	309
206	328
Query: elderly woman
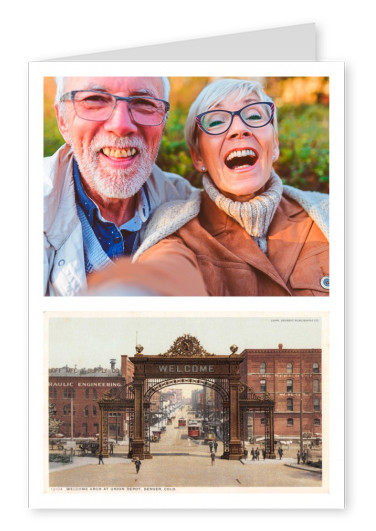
248	234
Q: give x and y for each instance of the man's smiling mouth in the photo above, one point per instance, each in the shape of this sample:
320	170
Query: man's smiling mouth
116	153
241	158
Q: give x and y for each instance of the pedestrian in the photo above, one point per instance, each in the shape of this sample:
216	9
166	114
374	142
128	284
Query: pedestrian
263	453
280	452
100	458
111	448
212	457
253	454
304	455
211	447
257	454
298	457
138	464
215	446
245	453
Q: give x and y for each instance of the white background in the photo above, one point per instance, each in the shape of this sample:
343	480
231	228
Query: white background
41	30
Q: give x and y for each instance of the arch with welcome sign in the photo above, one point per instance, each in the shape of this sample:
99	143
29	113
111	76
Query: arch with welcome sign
186	362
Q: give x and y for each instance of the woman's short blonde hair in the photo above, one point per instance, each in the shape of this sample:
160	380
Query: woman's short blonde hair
216	92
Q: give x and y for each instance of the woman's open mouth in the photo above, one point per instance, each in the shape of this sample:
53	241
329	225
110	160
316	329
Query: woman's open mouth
241	158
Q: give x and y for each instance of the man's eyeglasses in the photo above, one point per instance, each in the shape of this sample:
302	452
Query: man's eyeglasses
98	106
253	115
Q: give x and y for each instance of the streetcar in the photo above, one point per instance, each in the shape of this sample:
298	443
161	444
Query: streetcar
182	422
193	429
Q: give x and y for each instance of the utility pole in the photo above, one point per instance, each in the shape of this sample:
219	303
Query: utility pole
301	408
71	409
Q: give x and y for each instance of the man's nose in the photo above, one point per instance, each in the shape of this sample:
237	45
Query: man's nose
238	128
120	121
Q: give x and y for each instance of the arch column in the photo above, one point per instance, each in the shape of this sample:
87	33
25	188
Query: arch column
138	444
235	447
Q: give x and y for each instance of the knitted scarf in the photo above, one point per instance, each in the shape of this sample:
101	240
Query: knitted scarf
255	215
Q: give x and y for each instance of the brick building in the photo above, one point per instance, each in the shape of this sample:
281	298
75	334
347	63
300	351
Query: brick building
293	379
80	390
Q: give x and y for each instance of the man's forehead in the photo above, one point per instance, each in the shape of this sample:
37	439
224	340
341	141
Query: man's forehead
127	85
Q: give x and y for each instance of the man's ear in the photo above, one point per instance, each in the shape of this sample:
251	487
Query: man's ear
197	160
62	125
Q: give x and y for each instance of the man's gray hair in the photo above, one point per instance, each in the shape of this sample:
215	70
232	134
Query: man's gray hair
216	92
60	84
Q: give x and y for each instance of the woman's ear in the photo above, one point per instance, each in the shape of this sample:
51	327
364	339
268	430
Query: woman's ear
197	160
62	125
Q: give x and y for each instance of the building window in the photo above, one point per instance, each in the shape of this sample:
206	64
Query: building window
94	394
289	368
87	392
263	421
316	404
316	386
96	428
86	411
53	392
316	367
263	386
69	393
67	410
84	428
94	411
289	386
316	422
290	422
262	368
290	404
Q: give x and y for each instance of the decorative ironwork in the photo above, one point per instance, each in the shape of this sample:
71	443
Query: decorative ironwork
147	428
186	346
248	392
104	432
131	431
156	385
234	349
226	429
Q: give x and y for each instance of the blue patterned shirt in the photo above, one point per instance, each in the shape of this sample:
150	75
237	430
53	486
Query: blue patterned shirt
115	241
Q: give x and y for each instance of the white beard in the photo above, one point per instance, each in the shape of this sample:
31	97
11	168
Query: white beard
115	183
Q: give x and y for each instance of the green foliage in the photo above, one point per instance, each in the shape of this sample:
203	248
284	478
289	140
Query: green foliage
304	146
52	137
174	155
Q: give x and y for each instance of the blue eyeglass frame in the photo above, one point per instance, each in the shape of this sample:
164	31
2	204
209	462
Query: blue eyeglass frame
71	95
236	113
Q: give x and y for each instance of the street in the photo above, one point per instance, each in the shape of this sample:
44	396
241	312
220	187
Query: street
181	462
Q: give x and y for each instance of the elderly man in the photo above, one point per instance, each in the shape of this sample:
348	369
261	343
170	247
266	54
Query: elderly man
102	186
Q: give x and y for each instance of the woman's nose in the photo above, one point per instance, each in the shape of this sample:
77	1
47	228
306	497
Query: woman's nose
238	128
120	121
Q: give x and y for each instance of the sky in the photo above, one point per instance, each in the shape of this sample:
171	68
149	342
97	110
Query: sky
90	340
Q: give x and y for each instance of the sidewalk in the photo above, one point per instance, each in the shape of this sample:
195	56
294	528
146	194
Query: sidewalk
84	461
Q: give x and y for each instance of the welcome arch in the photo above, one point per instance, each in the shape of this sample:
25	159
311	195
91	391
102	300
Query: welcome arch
187	362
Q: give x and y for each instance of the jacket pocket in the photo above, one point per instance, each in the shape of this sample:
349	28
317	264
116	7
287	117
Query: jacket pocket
311	274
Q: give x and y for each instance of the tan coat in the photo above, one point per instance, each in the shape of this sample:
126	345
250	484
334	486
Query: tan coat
213	255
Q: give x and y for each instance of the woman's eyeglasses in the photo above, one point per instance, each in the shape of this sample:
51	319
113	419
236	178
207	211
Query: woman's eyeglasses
219	121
